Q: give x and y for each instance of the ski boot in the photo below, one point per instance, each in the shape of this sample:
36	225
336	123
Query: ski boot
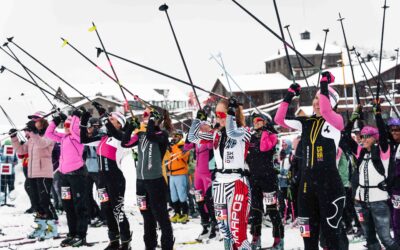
184	218
78	241
126	244
213	230
175	218
66	241
256	243
113	245
39	230
278	244
205	233
52	231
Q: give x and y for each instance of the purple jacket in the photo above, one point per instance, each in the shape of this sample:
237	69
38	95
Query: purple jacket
71	149
202	156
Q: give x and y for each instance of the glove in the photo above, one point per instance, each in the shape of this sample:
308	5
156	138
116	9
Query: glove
356	114
233	102
13	132
132	124
85	118
201	115
326	78
376	107
77	113
294	90
31	127
154	115
57	120
63	116
232	105
99	108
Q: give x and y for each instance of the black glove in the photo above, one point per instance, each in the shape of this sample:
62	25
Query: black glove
232	105
155	115
57	120
201	115
132	124
85	118
77	113
63	116
294	90
31	127
99	108
13	132
326	78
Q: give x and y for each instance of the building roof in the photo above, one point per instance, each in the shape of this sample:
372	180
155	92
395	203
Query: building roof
256	82
307	47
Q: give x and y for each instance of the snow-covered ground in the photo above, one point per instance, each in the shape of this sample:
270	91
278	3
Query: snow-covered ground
15	224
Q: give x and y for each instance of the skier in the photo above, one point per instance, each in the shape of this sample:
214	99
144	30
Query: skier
95	216
24	163
285	162
72	178
178	178
151	188
231	193
394	175
373	159
111	187
321	196
40	174
264	182
7	180
202	181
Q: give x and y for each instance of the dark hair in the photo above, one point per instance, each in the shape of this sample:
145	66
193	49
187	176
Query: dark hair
240	120
44	123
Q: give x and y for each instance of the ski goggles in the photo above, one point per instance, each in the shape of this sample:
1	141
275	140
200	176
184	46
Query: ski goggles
221	115
258	119
146	114
366	136
67	125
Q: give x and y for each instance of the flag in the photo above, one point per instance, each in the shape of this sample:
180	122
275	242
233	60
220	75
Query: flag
93	28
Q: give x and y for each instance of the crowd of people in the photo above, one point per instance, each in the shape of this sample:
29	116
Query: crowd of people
331	180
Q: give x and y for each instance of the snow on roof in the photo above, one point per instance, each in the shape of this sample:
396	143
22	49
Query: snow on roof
257	82
348	79
307	47
308	110
93	98
144	91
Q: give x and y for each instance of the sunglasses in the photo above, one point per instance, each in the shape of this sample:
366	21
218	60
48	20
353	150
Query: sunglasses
221	115
365	136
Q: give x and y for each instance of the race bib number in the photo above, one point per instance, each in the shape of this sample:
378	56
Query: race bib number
360	214
141	201
270	198
198	194
103	195
66	193
396	201
304	224
221	212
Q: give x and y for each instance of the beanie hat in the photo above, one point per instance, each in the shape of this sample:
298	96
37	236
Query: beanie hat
120	118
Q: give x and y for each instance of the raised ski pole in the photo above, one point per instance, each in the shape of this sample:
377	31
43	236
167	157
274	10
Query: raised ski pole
99	51
322	56
272	32
48	69
164	8
381	50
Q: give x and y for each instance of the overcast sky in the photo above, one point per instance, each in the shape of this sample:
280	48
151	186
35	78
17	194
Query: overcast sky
139	31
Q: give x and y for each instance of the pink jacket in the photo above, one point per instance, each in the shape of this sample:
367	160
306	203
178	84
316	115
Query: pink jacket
39	149
71	149
202	156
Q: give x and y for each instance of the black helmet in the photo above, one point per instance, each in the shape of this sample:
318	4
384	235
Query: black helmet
94	122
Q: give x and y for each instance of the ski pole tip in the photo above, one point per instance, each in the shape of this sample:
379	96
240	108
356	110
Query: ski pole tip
2	69
326	30
286	26
163	7
5	44
99	51
10	39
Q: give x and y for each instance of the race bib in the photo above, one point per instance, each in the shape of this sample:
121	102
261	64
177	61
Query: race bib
103	195
221	212
198	194
141	201
360	214
396	201
66	193
270	198
304	224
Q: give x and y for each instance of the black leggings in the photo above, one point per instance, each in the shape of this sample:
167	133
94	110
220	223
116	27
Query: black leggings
156	192
40	190
112	184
